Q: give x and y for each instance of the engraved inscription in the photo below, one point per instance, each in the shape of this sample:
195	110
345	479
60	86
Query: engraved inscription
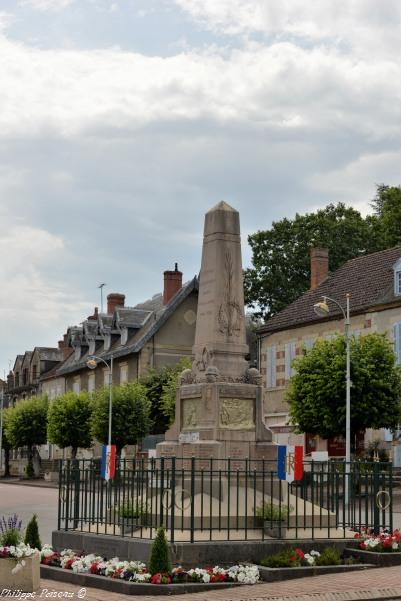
237	414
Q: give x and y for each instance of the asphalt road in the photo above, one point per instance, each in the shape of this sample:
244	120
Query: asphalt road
27	500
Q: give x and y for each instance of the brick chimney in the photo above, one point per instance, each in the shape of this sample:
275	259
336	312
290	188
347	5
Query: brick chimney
114	300
64	348
319	266
172	284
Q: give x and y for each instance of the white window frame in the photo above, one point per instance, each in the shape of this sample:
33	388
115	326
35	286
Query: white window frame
397	277
123	370
271	375
289	356
91	382
76	385
308	343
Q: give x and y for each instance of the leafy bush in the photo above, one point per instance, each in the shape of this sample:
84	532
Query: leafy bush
160	558
10	531
133	510
69	420
328	557
272	512
287	558
32	537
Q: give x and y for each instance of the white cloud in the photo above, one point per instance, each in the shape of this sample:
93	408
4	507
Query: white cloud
360	23
47	5
33	305
277	87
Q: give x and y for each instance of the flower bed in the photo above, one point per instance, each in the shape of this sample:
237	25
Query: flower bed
382	549
296	563
136	572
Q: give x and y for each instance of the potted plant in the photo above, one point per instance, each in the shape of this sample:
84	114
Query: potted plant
133	515
19	563
273	517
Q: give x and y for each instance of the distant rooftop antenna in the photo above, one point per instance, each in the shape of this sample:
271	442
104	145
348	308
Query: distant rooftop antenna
101	296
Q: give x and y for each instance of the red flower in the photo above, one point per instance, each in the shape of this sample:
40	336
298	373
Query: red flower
93	568
300	553
69	564
356	535
156	578
362	546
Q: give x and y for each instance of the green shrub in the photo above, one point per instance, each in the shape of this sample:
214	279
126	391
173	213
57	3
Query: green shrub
160	558
10	538
328	557
133	510
29	471
287	558
274	513
32	537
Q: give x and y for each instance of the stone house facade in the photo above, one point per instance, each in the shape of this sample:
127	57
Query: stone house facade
374	284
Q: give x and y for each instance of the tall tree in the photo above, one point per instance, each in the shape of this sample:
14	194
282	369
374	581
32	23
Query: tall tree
316	394
281	264
130	417
161	386
387	207
6	444
26	426
69	421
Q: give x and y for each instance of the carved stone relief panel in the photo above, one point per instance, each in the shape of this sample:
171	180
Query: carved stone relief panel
237	414
190	413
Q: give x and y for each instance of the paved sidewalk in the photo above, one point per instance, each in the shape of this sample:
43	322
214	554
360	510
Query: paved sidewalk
380	583
39	482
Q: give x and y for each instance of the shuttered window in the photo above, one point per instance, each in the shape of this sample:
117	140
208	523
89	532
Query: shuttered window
290	350
271	366
397	341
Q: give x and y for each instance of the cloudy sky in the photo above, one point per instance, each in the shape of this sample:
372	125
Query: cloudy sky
122	122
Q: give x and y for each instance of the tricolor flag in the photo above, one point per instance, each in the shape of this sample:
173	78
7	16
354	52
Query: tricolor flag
108	461
290	462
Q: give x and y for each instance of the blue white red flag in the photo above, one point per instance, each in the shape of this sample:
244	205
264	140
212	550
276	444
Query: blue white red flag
108	461
290	462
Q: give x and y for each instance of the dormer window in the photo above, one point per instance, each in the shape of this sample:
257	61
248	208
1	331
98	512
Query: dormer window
124	336
107	342
397	278
77	353
92	345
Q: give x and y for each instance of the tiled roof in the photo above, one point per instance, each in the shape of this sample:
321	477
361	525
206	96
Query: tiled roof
368	279
158	316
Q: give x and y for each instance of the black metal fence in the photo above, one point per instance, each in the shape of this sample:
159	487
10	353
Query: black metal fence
207	499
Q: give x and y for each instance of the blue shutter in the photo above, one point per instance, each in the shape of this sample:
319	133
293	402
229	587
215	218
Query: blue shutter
397	342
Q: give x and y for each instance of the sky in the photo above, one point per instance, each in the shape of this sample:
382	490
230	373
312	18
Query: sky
122	122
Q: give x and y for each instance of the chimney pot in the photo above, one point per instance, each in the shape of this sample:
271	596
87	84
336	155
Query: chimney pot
172	284
319	266
114	300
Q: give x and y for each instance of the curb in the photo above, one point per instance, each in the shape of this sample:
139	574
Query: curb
18	482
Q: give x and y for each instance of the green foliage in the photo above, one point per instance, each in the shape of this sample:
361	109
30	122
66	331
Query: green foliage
387	205
328	557
130	417
160	558
26	425
29	471
316	393
10	538
32	537
272	512
280	255
133	510
287	558
69	419
161	387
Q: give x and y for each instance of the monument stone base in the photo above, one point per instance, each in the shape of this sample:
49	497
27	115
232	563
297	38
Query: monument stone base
221	420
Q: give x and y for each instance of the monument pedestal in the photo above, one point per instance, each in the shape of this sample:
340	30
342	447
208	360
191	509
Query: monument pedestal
219	420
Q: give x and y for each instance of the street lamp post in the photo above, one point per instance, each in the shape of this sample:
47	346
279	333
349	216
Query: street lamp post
92	364
322	309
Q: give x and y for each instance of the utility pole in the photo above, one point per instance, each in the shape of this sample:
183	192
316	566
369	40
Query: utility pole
101	296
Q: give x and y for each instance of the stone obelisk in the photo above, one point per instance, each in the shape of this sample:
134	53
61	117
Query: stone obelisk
219	405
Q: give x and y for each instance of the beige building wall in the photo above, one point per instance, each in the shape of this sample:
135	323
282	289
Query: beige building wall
275	346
